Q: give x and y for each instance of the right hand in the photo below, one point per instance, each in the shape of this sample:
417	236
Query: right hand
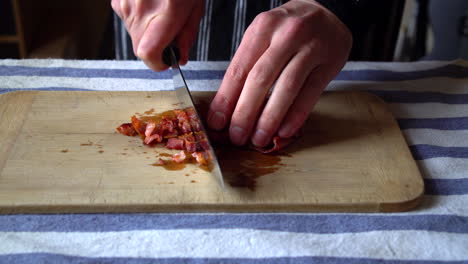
154	24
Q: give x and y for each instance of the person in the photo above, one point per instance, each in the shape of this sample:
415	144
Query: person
297	47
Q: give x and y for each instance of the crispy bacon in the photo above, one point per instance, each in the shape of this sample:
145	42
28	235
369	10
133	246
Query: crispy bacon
169	135
276	144
166	126
127	129
150	126
202	157
139	126
190	143
179	157
193	119
155	137
202	141
181	129
183	121
175	143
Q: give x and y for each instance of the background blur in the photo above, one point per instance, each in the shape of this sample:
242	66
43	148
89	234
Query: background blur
87	29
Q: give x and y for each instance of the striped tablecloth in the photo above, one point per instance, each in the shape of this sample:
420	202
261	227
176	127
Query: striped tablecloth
430	101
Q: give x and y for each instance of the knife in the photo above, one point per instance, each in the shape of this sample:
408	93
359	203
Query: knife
170	57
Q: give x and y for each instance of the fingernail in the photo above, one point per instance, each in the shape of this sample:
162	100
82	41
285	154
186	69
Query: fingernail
286	131
237	135
217	120
260	138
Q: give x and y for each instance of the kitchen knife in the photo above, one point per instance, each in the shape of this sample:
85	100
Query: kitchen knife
170	57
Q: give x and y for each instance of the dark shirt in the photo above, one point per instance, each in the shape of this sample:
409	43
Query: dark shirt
373	23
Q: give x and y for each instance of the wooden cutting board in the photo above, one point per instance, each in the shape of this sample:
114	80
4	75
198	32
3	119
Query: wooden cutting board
60	152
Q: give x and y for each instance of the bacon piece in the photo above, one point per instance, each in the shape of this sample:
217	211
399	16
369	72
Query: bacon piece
190	143
193	119
127	129
167	126
150	126
160	162
154	137
175	143
139	126
277	144
202	157
203	145
183	121
169	135
179	157
201	141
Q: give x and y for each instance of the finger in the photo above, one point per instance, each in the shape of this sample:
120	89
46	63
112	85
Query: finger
160	31
287	88
258	83
116	7
305	101
253	45
135	15
189	32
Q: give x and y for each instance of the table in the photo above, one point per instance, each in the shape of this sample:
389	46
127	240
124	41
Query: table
430	102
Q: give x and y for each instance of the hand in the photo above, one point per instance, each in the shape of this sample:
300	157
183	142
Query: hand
300	45
154	24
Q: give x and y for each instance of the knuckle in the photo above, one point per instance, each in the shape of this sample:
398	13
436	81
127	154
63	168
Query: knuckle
143	53
308	50
236	72
314	47
291	85
241	116
125	9
260	75
294	26
140	7
269	122
264	18
222	103
116	6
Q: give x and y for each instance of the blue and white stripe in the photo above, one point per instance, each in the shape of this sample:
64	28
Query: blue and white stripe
430	102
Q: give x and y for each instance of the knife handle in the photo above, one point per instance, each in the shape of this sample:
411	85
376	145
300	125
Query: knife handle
166	55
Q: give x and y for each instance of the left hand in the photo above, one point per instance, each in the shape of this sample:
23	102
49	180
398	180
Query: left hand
300	45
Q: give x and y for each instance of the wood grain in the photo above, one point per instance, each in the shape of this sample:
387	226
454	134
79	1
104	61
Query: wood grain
60	152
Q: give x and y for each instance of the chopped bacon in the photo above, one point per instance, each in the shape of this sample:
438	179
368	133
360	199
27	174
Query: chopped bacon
201	140
172	134
139	126
204	145
183	121
193	119
190	143
166	126
277	144
127	129
202	157
179	157
175	143
181	129
150	126
154	137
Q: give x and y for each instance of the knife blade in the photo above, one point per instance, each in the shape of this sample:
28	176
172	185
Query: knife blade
186	101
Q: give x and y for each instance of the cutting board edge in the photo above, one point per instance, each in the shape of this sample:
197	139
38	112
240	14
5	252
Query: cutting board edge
402	206
228	208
